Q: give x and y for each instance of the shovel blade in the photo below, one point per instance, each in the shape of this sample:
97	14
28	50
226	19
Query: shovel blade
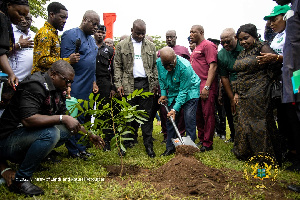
186	140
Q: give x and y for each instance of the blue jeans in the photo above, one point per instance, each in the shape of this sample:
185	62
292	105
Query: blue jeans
30	146
72	144
189	108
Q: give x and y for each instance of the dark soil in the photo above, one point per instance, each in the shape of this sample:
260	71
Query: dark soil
115	170
185	176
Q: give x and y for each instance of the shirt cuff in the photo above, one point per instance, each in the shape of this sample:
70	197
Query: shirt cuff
163	92
177	107
67	59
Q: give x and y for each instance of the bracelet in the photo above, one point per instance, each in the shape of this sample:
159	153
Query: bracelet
19	45
5	170
60	119
277	58
173	110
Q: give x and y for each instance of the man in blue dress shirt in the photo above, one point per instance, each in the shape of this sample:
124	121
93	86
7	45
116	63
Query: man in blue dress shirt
84	80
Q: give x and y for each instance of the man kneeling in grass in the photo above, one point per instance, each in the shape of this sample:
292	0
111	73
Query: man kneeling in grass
34	123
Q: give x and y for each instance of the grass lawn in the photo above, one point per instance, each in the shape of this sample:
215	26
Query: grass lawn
78	179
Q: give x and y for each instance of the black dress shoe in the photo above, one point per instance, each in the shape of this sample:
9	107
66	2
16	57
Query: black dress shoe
87	154
25	187
121	153
129	144
199	144
78	155
295	188
204	148
40	168
168	151
150	152
51	157
107	146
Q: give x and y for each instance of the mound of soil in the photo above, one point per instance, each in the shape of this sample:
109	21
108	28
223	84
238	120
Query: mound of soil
186	150
185	176
115	170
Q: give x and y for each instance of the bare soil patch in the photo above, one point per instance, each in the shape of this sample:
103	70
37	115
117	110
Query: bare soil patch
185	176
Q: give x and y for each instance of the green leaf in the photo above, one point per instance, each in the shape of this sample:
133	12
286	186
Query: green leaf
85	105
139	121
91	102
123	139
135	93
140	91
122	147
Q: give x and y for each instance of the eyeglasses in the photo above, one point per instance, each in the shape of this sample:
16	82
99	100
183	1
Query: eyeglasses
170	65
64	78
94	24
225	42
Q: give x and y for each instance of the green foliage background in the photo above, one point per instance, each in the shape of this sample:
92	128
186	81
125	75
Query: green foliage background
37	9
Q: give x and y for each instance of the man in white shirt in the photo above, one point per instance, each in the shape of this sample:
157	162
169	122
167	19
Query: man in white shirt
22	59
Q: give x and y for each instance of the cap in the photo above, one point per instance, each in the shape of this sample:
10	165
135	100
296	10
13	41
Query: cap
102	28
277	10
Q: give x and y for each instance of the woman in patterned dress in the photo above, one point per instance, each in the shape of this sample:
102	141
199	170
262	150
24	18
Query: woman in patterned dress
255	129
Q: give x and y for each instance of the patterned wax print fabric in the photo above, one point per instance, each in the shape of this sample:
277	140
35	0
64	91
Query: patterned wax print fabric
46	48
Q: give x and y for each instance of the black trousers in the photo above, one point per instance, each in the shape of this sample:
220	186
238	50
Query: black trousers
143	104
289	126
229	116
105	87
220	117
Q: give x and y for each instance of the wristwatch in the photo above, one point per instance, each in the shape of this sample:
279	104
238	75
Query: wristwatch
207	87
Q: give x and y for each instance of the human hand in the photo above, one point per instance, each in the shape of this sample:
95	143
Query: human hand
13	81
95	87
74	58
120	91
232	105
162	99
172	114
155	90
71	123
25	42
236	98
204	94
68	95
112	94
97	141
266	58
8	176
